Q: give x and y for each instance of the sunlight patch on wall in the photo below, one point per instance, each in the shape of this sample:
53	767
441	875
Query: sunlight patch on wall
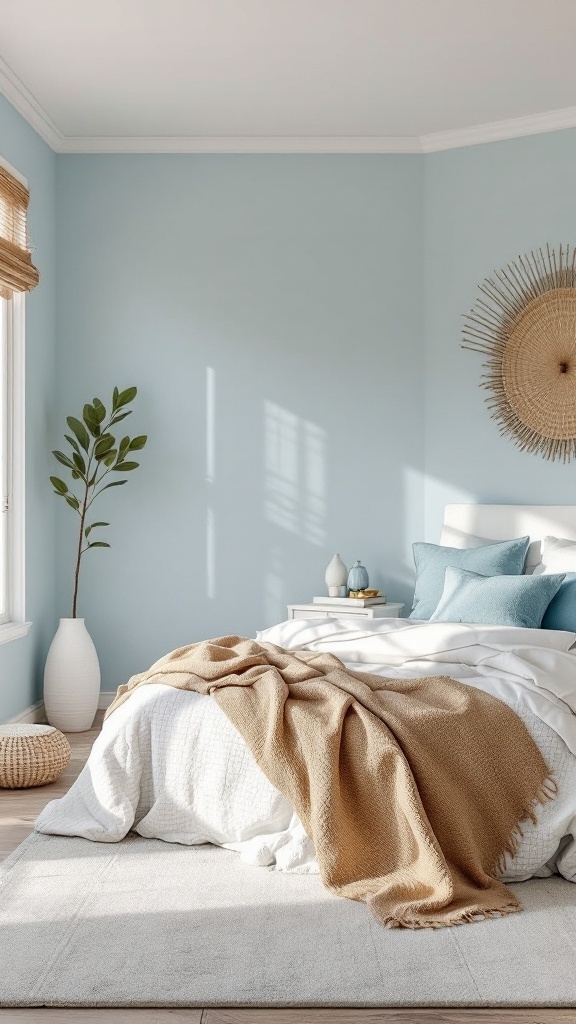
424	499
295	468
281	463
314	439
440	493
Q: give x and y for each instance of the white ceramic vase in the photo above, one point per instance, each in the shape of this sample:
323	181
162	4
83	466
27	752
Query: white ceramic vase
336	578
71	678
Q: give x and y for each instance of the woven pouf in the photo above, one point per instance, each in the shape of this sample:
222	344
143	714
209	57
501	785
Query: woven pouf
31	755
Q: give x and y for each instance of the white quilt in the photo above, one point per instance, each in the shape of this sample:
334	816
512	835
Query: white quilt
169	765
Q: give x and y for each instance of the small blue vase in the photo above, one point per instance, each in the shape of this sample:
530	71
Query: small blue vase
357	577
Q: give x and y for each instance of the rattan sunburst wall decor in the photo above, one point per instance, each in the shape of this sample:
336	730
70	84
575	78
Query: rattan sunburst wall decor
525	323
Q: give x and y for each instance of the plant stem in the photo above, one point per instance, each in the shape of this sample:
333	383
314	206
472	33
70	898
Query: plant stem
85	506
90	492
79	554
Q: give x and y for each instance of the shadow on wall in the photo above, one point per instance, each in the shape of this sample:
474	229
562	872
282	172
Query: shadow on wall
295	467
300	514
294	494
254	477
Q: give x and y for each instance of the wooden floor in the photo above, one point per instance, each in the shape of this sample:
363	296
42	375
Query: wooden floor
19	808
18	811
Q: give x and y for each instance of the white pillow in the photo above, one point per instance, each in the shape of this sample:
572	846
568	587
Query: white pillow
558	555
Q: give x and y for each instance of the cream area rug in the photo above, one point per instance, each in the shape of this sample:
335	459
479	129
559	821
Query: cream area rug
146	923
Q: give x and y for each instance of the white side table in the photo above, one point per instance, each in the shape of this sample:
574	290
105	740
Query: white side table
390	610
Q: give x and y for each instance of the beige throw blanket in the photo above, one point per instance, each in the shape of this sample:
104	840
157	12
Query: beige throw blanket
411	789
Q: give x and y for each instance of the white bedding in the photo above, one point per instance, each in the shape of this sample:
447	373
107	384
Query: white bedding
169	765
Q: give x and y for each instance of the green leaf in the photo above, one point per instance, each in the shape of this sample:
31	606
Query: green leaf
79	463
90	420
76	475
115	483
59	486
121	416
100	410
73	442
115	395
63	459
93	527
103	446
72	501
110	458
92	479
138	442
127	396
125	467
98	544
80	432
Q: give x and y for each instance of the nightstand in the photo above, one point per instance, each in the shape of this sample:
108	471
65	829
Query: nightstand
390	610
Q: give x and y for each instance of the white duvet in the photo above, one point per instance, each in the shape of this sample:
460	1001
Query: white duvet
169	765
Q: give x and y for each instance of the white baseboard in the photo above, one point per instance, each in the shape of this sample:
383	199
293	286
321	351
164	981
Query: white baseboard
34	715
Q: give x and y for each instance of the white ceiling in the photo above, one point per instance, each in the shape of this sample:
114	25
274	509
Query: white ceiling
282	75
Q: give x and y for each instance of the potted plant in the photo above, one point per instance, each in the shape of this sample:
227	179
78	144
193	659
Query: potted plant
72	673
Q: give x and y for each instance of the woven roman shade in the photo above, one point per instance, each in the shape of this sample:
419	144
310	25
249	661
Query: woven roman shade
17	272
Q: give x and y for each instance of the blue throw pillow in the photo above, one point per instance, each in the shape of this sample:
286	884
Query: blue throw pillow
499	600
561	612
432	560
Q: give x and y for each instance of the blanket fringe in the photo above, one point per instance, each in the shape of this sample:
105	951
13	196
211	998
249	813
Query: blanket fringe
548	791
463	917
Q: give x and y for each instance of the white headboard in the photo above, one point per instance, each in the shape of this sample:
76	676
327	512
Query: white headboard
471	525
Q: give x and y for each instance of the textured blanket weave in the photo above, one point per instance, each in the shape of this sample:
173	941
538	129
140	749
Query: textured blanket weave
411	789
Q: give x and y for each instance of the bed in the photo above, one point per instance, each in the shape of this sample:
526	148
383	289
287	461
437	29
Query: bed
169	765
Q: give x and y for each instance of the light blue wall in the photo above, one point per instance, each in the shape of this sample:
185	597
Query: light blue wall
295	284
22	660
321	298
484	206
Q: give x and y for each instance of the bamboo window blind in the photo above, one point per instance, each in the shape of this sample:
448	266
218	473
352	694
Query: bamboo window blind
17	272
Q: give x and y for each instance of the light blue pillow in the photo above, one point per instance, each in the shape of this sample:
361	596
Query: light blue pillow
561	612
500	600
432	560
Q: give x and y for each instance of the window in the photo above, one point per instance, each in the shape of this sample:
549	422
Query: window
12	467
17	275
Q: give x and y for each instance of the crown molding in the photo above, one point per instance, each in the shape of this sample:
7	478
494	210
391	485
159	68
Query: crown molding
496	131
499	131
242	144
26	104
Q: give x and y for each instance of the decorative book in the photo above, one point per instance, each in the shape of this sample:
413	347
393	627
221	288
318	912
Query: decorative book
356	602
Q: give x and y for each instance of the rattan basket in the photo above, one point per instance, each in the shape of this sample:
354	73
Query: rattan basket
31	755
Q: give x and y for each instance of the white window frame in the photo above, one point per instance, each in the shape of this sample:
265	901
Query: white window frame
12	605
